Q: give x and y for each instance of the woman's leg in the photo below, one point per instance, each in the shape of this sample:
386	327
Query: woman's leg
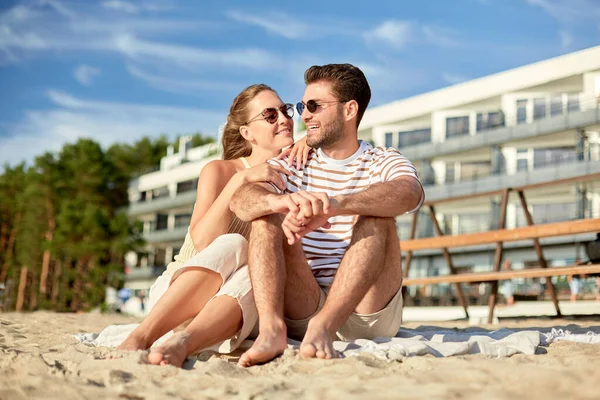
219	320
183	300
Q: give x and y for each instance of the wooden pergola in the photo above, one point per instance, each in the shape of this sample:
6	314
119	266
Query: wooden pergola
531	232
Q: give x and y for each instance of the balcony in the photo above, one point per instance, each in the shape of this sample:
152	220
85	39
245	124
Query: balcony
165	203
540	174
144	273
166	235
587	114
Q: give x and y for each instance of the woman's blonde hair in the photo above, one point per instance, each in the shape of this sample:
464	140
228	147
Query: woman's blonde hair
234	144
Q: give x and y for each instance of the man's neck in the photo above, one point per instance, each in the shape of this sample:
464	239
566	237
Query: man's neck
343	149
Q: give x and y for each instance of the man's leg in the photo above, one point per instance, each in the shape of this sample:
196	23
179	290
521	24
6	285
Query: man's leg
369	276
282	283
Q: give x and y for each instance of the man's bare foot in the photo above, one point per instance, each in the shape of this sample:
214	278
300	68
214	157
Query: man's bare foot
269	344
317	343
173	352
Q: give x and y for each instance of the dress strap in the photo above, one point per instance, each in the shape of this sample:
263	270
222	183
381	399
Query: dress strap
245	162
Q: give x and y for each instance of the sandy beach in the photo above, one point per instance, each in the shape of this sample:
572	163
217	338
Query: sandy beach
39	359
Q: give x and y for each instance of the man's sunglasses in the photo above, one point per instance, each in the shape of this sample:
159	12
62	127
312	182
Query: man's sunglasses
271	114
312	105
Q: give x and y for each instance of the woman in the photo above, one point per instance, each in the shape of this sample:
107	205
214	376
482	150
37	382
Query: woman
208	285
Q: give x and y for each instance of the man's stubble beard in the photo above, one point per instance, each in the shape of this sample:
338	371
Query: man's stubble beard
331	133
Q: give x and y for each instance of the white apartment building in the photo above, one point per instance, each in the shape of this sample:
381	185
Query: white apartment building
535	124
163	201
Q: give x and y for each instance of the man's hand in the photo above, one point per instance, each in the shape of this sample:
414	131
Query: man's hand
282	204
312	213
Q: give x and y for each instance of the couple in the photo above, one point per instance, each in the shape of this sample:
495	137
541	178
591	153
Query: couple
277	249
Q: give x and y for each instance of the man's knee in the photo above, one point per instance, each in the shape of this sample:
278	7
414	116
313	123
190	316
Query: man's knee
268	223
376	225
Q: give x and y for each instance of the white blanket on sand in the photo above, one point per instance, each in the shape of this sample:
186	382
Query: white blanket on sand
438	342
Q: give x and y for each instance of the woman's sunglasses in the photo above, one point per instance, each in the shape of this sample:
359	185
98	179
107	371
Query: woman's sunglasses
271	114
312	105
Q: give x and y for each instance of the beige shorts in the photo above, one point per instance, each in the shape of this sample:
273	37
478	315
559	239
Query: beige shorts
226	255
385	323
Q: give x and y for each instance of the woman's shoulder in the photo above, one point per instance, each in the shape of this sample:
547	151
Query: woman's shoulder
221	165
219	168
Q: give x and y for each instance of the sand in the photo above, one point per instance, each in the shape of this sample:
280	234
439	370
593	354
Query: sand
39	359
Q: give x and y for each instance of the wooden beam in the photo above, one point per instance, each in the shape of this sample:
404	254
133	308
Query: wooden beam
505	235
408	259
459	293
498	255
539	252
476	277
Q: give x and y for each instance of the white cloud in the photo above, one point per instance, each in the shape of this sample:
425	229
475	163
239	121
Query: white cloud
401	34
453	78
566	39
396	33
24	33
278	24
438	36
191	57
183	86
134	8
569	12
121	6
85	74
71	118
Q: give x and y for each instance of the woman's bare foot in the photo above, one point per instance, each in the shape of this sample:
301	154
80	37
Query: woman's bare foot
269	344
173	352
133	343
317	343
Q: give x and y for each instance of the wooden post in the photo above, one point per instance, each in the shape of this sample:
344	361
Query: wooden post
498	255
459	293
538	250
21	292
413	230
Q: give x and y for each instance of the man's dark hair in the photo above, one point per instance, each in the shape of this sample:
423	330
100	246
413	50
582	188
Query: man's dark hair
347	83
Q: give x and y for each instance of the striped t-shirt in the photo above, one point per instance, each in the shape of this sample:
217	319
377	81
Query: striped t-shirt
324	248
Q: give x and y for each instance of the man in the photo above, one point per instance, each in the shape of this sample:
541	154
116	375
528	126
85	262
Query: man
324	256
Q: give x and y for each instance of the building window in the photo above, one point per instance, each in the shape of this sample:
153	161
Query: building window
457	126
160	192
411	138
521	111
522	160
554	156
187	186
573	103
450	172
489	120
546	213
389	138
474	170
182	220
539	108
161	222
160	257
556	105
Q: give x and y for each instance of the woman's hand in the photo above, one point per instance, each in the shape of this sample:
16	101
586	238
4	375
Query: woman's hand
298	153
265	173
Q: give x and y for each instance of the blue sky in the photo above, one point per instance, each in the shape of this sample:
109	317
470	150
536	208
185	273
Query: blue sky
117	70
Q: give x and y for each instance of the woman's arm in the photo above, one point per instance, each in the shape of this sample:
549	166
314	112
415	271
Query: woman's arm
217	183
211	217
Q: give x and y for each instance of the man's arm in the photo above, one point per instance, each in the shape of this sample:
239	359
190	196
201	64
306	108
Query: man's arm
255	200
385	199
